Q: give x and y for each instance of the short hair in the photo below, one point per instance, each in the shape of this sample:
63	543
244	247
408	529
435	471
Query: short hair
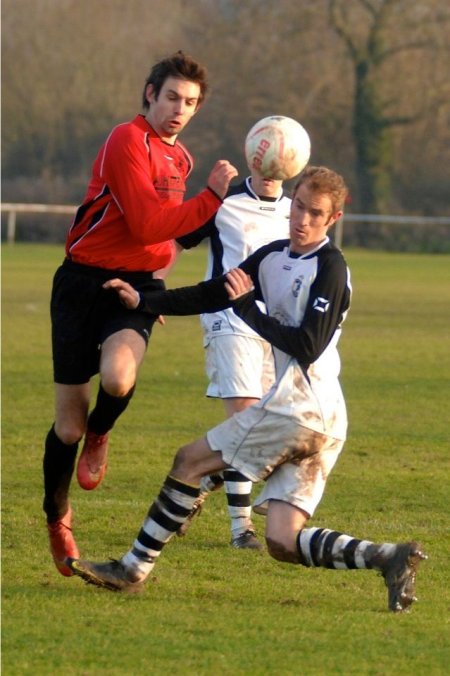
324	181
178	65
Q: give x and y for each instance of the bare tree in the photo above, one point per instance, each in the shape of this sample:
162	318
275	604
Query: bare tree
367	78
379	35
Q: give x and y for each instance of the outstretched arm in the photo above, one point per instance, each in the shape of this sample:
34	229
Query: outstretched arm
215	294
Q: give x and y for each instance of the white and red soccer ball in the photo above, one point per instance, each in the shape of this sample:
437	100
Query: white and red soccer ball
277	147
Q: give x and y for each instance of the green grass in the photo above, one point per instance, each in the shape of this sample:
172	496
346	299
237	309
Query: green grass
209	609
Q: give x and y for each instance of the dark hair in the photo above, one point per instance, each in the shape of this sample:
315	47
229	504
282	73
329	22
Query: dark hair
178	65
325	181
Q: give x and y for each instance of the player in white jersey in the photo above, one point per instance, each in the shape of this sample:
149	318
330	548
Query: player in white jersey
239	362
293	436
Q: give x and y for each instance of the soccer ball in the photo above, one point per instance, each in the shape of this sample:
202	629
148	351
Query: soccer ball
277	147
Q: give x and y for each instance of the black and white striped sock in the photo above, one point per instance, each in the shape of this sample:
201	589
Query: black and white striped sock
210	483
170	509
238	490
330	549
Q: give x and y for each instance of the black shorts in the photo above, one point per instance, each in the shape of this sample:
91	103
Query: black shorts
84	314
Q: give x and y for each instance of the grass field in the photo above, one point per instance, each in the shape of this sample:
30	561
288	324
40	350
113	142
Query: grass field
210	609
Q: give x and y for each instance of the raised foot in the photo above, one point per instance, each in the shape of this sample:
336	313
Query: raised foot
93	461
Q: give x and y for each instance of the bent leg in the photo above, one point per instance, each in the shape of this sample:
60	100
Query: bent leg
196	460
61	445
284	521
289	541
121	356
172	506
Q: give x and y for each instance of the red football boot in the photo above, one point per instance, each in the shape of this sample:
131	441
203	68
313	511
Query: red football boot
92	462
62	543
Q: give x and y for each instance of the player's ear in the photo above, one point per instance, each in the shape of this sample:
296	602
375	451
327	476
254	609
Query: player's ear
336	216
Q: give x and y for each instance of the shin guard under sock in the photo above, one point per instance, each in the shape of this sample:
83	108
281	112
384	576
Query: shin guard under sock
58	465
106	411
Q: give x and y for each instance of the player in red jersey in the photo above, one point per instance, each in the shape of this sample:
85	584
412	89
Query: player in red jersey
132	210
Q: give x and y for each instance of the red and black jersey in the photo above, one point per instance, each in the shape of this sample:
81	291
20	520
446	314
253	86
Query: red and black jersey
134	205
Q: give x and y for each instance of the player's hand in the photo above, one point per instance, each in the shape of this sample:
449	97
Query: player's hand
220	177
238	283
127	294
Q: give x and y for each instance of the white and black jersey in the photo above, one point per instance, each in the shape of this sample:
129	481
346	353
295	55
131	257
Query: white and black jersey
243	224
307	298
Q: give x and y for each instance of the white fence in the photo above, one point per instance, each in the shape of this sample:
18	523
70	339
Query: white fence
386	219
13	209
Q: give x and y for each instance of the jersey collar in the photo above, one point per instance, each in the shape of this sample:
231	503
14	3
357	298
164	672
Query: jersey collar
311	253
252	193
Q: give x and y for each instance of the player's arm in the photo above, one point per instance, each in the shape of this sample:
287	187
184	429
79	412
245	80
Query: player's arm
329	299
125	171
209	296
194	238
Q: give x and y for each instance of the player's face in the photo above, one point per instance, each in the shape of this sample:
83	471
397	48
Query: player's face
265	187
311	216
175	106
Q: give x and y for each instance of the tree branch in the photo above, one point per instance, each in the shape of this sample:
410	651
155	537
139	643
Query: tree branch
339	24
368	5
400	119
387	53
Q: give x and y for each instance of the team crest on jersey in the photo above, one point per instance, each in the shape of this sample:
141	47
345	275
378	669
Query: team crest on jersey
321	304
217	325
297	285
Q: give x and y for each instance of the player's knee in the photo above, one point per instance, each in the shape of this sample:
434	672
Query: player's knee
182	462
118	378
118	386
282	551
69	432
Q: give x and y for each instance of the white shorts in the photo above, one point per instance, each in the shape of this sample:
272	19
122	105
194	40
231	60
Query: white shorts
294	460
238	366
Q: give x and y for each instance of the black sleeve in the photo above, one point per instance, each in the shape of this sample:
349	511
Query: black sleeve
329	299
207	296
194	238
